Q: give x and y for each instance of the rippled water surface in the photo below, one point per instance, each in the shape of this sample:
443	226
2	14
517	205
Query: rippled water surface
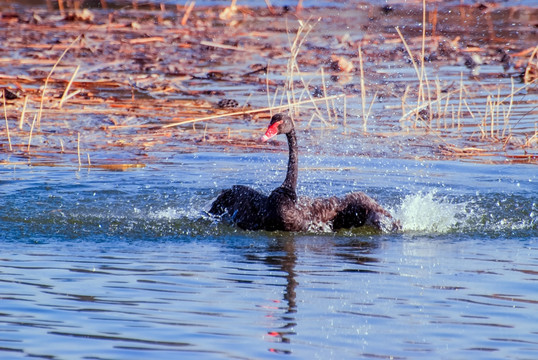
115	265
100	264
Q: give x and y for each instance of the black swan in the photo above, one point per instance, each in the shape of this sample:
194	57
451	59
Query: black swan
283	210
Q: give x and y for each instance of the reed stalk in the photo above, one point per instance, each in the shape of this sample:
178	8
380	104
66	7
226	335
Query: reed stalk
295	46
363	92
485	118
325	95
306	86
7	123
445	110
428	92
78	151
271	106
527	76
345	113
415	66
188	9
21	121
335	111
66	91
404	98
267	88
371	105
61	7
291	106
31	131
422	55
438	96
469	109
498	110
292	66
460	99
204	134
48	78
509	111
246	112
492	108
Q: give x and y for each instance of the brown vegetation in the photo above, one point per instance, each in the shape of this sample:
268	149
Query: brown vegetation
120	87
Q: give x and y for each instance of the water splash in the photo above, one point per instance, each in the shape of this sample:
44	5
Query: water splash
173	213
427	212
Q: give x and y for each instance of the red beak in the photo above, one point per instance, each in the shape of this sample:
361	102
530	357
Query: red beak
272	131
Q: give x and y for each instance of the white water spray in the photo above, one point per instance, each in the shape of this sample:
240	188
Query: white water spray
172	213
428	213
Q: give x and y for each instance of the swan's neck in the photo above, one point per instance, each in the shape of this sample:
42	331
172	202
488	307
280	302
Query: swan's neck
293	163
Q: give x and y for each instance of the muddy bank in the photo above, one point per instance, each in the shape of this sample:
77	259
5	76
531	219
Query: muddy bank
126	86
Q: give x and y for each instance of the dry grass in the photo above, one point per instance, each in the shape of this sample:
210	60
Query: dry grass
492	119
7	123
66	111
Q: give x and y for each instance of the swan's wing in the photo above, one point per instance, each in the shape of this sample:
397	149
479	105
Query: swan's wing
353	210
319	213
243	205
358	209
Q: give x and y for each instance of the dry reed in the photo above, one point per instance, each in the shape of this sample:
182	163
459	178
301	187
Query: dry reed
21	121
246	112
7	123
452	113
78	150
66	91
531	70
49	76
31	131
363	91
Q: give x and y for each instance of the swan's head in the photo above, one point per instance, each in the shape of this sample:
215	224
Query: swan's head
280	124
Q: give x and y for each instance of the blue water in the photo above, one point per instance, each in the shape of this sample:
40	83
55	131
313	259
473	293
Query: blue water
99	264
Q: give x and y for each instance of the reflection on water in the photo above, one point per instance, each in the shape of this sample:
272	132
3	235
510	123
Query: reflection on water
102	265
299	295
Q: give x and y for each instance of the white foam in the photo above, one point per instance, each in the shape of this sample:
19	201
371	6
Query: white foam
172	213
428	213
